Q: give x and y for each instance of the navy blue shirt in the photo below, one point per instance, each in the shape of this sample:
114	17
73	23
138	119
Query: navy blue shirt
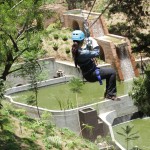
85	61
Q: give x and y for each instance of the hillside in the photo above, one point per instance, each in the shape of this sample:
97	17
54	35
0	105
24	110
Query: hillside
19	132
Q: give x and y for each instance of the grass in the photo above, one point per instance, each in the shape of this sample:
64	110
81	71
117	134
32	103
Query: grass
52	97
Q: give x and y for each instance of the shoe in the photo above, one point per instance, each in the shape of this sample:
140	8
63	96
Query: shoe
105	94
114	98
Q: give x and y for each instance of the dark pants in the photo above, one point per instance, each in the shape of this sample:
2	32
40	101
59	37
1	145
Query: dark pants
106	73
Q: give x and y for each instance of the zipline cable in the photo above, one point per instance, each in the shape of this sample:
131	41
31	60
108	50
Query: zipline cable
90	10
101	13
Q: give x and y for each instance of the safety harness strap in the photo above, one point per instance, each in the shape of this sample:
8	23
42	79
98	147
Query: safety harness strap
97	71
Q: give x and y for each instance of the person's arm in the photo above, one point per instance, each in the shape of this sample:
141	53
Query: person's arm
94	43
88	54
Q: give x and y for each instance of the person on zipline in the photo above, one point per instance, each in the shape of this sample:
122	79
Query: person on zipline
84	58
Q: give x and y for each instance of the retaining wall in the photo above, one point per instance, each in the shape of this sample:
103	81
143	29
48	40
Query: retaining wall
39	84
110	111
70	118
49	68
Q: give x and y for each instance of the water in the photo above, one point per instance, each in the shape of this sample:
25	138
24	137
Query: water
97	29
125	62
140	125
51	96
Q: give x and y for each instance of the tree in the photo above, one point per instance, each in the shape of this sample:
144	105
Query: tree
136	26
72	4
17	33
32	69
20	35
135	23
76	87
128	135
141	93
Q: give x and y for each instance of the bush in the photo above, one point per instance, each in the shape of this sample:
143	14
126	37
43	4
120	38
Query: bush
141	92
67	50
64	38
56	36
55	46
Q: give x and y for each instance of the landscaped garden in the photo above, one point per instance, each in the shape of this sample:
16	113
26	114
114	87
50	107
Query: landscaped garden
60	96
31	30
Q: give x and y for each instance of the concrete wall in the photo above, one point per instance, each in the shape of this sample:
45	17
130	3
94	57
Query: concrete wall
49	68
109	111
48	71
75	18
39	84
70	118
110	46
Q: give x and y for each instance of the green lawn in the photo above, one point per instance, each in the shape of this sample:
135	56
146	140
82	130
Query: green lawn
52	96
143	128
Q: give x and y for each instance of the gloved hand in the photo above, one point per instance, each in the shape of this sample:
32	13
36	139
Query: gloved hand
98	76
91	42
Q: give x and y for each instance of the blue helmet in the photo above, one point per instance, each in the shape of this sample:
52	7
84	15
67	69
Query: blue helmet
77	35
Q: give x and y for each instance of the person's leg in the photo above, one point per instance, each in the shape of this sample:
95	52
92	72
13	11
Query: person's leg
110	75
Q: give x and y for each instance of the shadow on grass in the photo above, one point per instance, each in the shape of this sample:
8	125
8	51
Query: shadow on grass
9	141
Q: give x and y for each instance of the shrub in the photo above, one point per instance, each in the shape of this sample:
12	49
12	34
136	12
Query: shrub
64	38
56	36
67	50
55	46
141	92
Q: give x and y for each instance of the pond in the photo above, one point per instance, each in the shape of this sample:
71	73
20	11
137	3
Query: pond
142	126
60	96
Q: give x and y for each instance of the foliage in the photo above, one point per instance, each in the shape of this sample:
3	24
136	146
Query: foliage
56	36
20	33
107	140
21	30
88	128
76	86
135	26
2	89
64	37
75	4
67	50
31	100
55	46
32	69
128	135
64	105
34	130
3	121
141	92
49	1
136	148
54	27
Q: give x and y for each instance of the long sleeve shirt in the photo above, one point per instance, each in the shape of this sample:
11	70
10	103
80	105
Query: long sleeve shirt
85	59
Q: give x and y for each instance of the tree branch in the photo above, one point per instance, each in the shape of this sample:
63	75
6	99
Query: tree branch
19	54
14	43
16	4
14	70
